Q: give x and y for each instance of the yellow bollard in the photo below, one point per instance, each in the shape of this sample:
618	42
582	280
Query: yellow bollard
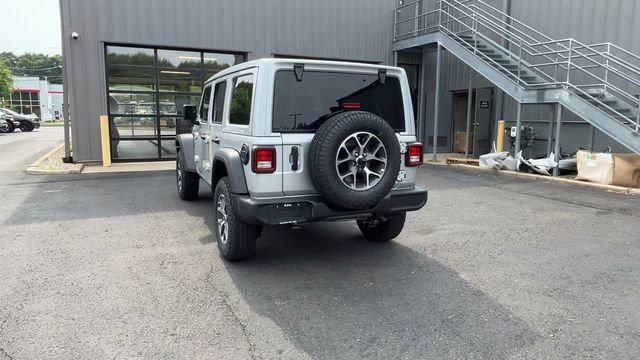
106	146
500	136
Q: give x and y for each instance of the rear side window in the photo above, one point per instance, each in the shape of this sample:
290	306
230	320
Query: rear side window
204	104
240	111
303	106
218	101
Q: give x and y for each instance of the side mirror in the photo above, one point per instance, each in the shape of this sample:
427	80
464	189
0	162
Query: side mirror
191	113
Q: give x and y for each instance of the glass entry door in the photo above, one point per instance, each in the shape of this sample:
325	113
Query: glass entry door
147	89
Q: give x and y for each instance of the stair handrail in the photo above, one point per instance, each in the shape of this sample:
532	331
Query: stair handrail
608	54
566	56
502	33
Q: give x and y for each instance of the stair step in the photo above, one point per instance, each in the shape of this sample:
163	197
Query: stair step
623	110
608	102
470	44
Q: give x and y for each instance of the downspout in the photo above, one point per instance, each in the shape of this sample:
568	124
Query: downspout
65	93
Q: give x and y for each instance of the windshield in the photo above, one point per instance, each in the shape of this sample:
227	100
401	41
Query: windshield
9	111
303	106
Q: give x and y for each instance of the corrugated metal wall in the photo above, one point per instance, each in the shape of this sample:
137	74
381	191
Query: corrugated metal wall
353	29
589	21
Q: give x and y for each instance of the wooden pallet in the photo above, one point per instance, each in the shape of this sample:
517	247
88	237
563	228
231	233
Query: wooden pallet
463	161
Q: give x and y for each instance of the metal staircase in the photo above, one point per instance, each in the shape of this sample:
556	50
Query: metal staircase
597	82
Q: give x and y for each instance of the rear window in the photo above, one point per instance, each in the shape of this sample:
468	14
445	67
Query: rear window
302	106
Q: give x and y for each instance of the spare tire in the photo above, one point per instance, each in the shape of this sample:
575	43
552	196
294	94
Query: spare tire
354	160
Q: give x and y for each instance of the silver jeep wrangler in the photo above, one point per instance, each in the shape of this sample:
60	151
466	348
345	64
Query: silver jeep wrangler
288	141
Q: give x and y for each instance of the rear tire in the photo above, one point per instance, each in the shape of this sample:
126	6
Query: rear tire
188	183
236	240
7	127
383	230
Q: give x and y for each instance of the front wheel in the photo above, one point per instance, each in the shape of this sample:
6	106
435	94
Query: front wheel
26	126
381	229
236	240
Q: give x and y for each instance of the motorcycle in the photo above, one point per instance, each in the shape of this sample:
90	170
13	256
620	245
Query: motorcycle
6	124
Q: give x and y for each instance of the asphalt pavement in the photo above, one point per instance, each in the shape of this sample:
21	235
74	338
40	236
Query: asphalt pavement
116	266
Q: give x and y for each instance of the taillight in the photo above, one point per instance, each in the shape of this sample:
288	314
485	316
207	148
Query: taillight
414	155
264	160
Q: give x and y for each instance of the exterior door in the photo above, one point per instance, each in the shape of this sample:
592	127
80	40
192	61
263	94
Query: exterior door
202	136
460	101
482	123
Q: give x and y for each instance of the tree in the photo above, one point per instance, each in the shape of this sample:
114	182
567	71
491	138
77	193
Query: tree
39	65
6	81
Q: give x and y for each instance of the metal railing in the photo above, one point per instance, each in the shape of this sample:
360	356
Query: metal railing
597	72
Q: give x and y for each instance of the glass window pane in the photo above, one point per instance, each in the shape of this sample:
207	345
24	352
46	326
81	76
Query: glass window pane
218	101
174	104
305	105
134	149
204	104
214	62
130	68
132	127
132	103
180	71
240	113
168	125
168	148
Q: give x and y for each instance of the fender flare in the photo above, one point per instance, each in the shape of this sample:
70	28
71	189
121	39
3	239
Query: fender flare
230	159
185	144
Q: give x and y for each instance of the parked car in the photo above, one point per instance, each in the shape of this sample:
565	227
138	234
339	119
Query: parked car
284	141
6	123
25	123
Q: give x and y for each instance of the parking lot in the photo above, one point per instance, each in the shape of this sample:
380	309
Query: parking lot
116	266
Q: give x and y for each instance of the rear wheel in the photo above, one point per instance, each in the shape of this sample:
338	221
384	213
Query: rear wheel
381	229
188	183
7	127
236	240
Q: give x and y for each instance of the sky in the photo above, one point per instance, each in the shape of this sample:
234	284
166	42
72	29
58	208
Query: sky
30	26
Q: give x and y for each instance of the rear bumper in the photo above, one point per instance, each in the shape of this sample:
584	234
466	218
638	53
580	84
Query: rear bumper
306	209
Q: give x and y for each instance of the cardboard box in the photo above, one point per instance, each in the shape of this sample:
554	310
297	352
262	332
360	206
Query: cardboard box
459	142
626	170
595	167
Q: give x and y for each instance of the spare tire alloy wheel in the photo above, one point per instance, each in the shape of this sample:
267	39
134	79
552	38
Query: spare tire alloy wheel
361	161
354	160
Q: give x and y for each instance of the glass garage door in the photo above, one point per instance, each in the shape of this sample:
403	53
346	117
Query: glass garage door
147	88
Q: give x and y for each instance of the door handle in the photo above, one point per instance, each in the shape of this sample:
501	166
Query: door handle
216	140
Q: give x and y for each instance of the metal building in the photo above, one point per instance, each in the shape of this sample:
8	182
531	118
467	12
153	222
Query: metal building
140	61
534	63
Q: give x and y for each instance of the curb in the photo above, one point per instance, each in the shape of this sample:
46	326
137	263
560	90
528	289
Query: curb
44	157
38	171
611	188
35	169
